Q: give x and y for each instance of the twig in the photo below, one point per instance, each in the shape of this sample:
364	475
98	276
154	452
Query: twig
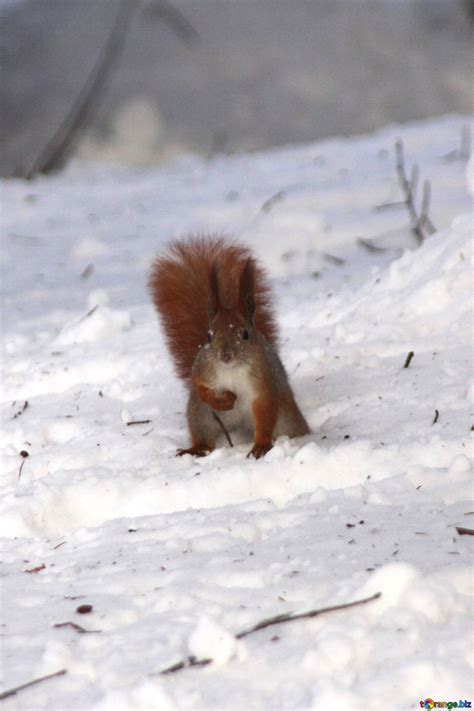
20	469
333	259
370	246
408	359
465	531
424	220
436	417
88	314
421	222
76	627
188	662
290	617
464	151
21	410
36	569
12	692
176	20
389	205
268	204
278	619
223	428
138	422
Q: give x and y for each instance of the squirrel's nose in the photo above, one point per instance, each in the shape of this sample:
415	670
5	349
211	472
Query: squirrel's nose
226	355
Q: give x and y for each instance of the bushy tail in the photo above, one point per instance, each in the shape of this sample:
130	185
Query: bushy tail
179	287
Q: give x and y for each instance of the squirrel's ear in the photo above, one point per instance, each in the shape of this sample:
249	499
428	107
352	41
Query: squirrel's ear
213	292
246	291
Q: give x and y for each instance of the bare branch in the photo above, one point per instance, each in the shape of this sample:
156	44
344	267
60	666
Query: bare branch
76	627
465	531
369	245
21	410
12	692
421	224
56	150
175	20
408	359
278	619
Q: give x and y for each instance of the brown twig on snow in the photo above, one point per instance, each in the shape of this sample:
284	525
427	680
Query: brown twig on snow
12	692
408	359
37	569
278	619
21	410
75	627
25	455
138	422
436	417
421	224
369	245
465	531
290	617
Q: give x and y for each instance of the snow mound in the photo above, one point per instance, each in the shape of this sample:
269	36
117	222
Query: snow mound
99	323
175	556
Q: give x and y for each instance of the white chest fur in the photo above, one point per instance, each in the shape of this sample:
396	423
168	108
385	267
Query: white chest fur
236	378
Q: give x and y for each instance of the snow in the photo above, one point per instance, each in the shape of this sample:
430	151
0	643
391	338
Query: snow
177	555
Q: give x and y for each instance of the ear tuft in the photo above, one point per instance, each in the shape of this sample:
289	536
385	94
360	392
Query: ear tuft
213	292
246	290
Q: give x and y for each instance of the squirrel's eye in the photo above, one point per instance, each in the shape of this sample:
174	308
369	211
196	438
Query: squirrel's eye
245	335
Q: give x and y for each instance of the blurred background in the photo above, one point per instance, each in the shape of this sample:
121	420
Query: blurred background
140	81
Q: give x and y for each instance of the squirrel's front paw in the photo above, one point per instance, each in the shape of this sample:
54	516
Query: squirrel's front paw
224	401
259	450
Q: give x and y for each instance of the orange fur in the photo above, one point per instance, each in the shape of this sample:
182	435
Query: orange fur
180	289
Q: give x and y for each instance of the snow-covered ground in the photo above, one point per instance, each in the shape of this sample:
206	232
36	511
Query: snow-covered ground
175	556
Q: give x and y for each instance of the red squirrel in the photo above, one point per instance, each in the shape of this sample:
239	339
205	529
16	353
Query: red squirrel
215	307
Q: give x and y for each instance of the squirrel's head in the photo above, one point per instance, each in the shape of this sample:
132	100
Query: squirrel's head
231	325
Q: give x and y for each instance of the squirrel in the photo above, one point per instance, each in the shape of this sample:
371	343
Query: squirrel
215	307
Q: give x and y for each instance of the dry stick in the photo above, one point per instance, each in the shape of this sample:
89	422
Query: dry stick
21	468
289	617
278	619
465	531
176	20
436	417
21	410
422	221
138	422
407	190
268	204
370	246
12	692
408	359
76	627
223	428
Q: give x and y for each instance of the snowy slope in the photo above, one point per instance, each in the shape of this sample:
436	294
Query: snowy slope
177	555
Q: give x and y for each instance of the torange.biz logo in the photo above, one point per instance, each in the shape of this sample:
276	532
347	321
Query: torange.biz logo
430	704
